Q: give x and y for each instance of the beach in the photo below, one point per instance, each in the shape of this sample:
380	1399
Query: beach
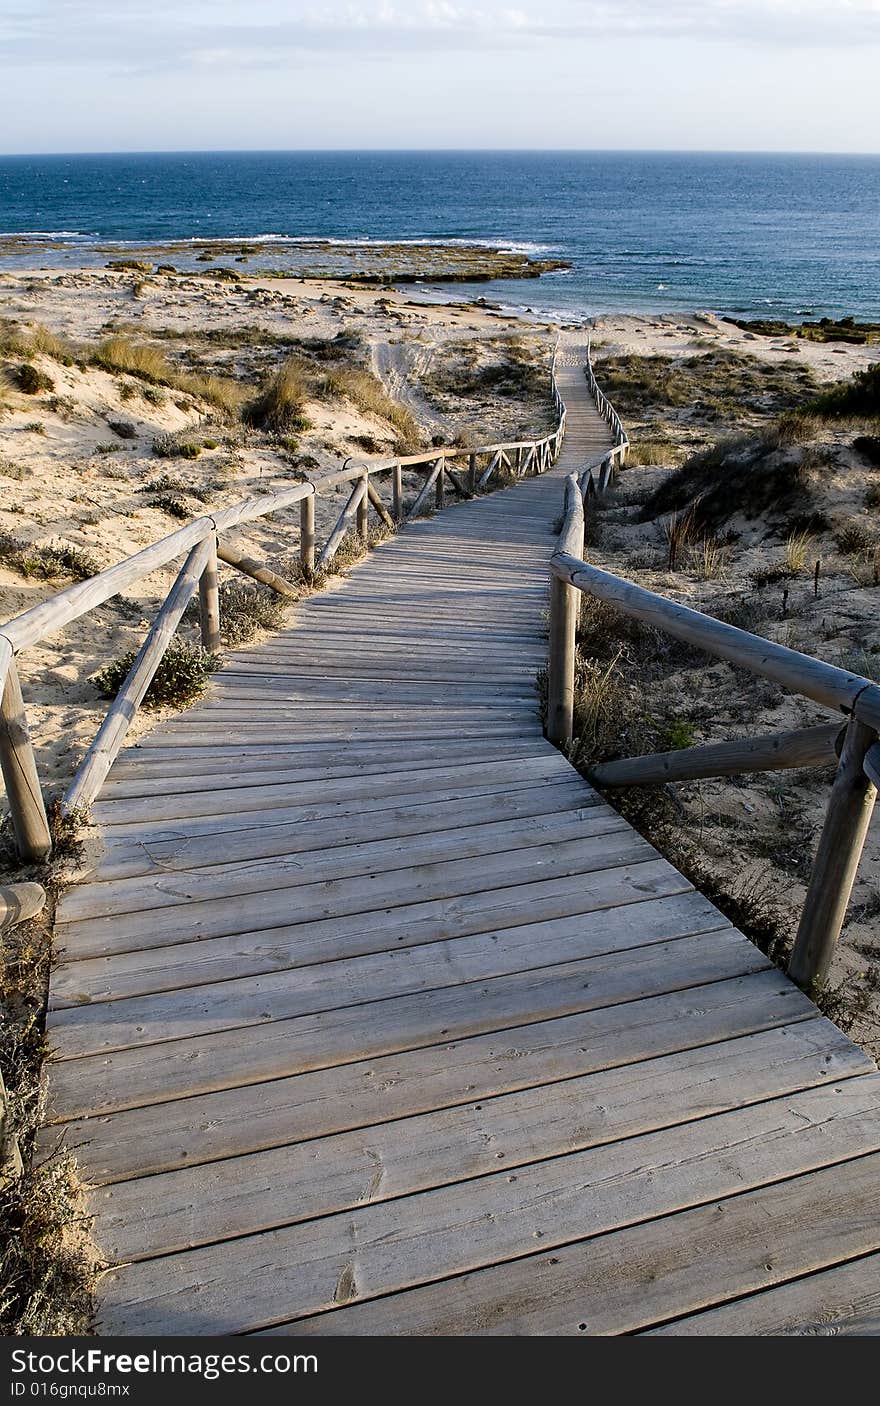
86	463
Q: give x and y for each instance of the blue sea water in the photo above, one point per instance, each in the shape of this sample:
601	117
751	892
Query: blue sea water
752	235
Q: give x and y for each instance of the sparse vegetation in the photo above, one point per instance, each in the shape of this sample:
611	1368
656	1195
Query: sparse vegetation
716	385
172	505
280	406
359	386
34	340
245	610
746	475
175	446
30	380
119	354
180	678
663	452
46	561
860	395
797	551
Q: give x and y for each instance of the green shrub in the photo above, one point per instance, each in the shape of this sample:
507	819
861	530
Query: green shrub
172	446
181	676
855	536
48	561
246	609
858	396
174	507
30	380
742	474
868	445
123	428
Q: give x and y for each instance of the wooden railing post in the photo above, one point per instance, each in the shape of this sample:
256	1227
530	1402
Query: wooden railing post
307	535
439	491
363	511
32	838
209	603
564	612
564	601
850	806
397	493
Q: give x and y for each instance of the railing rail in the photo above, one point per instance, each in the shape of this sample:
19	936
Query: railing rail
198	541
853	746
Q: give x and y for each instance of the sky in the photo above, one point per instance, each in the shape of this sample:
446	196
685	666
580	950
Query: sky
165	75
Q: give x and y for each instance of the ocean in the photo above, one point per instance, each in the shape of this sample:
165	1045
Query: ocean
746	235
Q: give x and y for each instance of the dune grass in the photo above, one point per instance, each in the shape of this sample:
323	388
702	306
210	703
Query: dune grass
279	407
365	391
34	340
122	356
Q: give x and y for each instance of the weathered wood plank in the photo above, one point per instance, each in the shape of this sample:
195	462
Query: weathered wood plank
315	1104
314	1266
305	829
194	961
168	887
299	989
244	902
211	1202
626	1281
101	1083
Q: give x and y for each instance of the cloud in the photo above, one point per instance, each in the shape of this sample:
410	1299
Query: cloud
235	33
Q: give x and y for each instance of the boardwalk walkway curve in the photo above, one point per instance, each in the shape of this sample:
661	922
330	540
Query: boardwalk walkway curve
375	1018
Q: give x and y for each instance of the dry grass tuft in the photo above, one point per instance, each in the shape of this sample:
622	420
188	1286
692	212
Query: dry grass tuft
797	551
246	610
279	408
46	1264
120	355
365	391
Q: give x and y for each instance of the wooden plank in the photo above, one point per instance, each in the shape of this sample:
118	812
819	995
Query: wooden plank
315	1266
262	894
424	492
198	1205
307	535
156	1073
137	1142
341	861
639	1276
850	807
346	517
209	603
19	902
825	683
258	570
808	746
300	989
304	829
291	775
843	1301
194	960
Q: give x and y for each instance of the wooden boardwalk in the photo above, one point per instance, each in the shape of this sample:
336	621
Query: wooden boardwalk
375	1018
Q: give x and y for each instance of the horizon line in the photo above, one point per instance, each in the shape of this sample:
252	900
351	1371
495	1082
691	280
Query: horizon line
439	151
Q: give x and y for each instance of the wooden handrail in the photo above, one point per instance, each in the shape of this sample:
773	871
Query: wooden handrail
199	539
858	771
799	673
